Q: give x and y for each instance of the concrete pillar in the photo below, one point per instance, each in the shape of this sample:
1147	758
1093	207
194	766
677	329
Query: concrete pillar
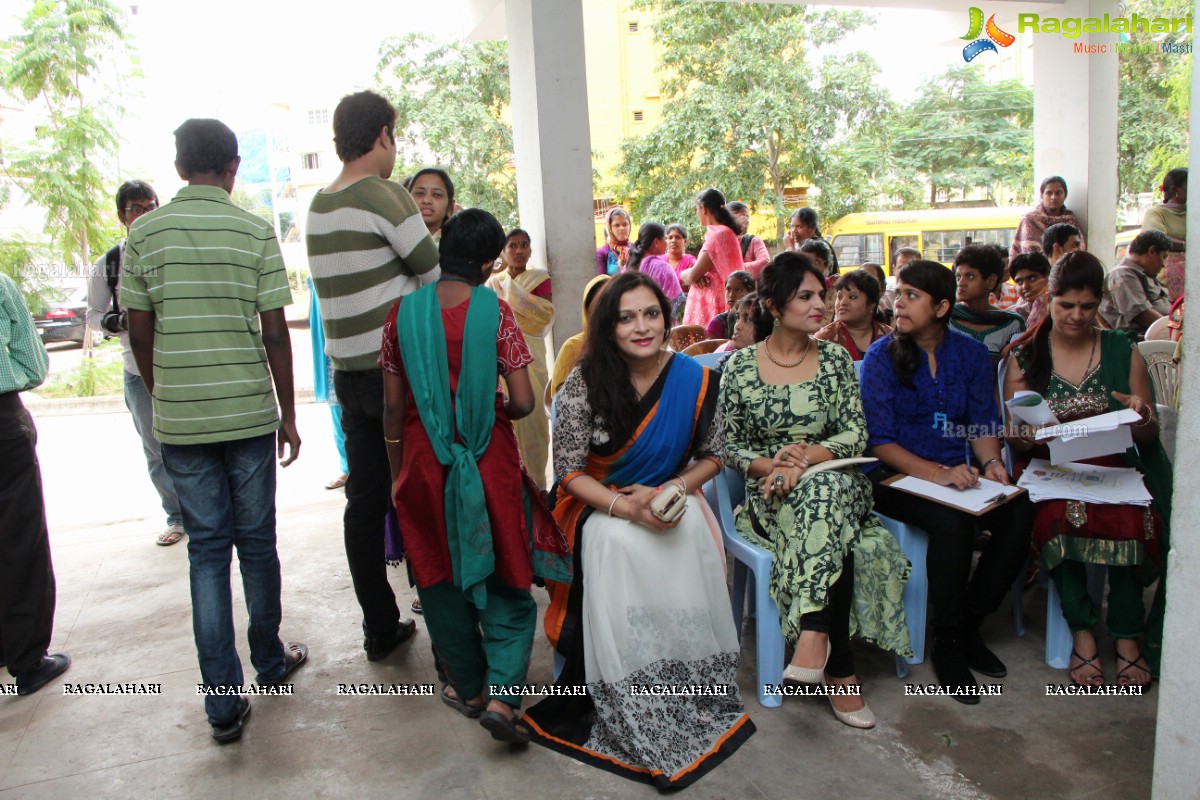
1075	123
1177	739
553	146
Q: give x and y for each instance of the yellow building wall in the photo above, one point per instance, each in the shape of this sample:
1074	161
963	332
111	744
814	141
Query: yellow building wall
622	80
624	97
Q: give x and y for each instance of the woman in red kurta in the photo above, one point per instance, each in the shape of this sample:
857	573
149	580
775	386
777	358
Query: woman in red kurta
475	528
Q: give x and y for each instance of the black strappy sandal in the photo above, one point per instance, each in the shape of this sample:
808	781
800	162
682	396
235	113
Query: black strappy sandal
1144	666
1087	662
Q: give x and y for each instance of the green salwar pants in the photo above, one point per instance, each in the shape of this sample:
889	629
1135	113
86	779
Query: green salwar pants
1126	610
484	647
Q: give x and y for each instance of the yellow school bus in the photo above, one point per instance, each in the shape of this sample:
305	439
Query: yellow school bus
939	233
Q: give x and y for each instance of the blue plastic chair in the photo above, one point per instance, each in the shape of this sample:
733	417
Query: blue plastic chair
709	360
1058	632
914	542
751	568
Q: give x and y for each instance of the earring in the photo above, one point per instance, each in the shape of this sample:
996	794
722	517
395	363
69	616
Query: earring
777	322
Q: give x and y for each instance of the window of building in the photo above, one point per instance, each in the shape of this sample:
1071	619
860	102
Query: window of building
310	160
633	27
318	116
638	116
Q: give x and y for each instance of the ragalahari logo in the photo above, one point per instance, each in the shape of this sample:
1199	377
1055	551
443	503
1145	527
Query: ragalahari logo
994	37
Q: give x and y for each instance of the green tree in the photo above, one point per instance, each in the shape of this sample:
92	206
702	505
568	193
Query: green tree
746	109
29	264
65	61
1154	104
962	132
451	98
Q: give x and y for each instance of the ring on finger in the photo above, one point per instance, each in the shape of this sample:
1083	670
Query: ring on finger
779	480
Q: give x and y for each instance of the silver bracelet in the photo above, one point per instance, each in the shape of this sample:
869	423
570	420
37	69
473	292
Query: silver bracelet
614	502
682	480
988	463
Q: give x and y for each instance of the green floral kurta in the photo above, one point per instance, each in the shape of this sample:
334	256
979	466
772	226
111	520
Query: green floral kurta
826	516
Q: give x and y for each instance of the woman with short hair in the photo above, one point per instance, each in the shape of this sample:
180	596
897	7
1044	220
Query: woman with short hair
468	509
859	321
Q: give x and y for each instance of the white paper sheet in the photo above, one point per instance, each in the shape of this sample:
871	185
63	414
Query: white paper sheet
974	500
1032	409
1073	481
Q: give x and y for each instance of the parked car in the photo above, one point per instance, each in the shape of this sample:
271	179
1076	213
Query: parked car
64	318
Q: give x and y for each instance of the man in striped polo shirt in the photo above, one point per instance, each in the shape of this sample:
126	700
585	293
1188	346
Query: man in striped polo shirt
367	246
205	286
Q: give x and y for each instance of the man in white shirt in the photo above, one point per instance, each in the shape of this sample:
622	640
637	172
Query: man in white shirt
134	198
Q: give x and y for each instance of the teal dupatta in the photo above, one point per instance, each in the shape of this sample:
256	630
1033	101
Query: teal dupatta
459	428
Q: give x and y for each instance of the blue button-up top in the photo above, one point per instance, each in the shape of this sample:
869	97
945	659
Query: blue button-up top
935	417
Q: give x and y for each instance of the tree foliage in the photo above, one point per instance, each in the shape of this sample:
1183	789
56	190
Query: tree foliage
745	107
64	64
962	132
451	98
1154	104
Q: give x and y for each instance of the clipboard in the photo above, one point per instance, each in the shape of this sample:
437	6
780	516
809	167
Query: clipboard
991	494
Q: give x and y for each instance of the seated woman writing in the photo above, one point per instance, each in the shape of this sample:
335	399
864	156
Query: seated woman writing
929	394
791	403
636	425
1082	371
859	320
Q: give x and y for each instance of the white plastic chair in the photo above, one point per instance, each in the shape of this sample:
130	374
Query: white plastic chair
1164	372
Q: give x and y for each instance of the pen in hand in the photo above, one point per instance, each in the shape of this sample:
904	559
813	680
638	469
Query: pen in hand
967	463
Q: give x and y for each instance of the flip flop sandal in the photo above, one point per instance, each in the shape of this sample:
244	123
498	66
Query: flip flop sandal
169	537
337	482
502	728
294	656
461	706
415	607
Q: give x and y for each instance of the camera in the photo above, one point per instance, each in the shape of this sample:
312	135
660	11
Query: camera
115	322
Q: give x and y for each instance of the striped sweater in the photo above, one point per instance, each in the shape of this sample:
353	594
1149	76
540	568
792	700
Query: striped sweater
367	247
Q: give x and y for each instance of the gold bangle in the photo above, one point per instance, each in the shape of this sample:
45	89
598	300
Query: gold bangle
935	472
391	441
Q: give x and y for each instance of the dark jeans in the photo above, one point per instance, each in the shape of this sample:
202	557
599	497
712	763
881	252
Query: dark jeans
961	600
368	493
26	574
834	621
227	495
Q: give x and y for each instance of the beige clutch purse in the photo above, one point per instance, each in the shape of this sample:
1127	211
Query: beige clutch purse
670	502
